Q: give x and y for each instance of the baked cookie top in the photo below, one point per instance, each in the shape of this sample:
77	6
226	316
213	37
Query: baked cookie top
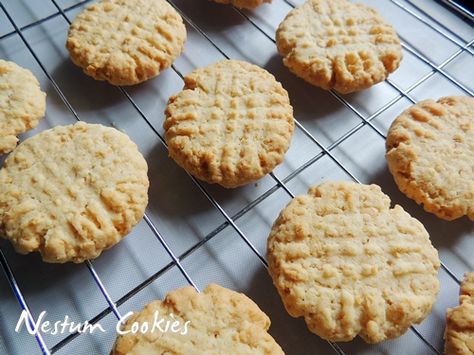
459	334
231	124
351	265
219	321
22	103
336	44
126	42
72	191
430	149
244	4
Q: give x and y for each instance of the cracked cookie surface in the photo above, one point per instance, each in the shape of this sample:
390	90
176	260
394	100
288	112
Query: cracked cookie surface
349	264
429	153
459	334
126	42
220	321
231	124
337	44
22	103
71	192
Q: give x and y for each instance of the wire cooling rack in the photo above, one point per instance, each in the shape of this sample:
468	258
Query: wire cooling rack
193	233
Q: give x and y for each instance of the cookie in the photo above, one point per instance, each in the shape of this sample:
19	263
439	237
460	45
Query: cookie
336	44
22	103
126	42
429	153
231	124
244	4
459	334
350	265
71	192
216	321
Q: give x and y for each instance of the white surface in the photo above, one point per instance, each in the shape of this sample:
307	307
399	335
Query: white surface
182	213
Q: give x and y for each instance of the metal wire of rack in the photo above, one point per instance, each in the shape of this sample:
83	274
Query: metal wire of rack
230	221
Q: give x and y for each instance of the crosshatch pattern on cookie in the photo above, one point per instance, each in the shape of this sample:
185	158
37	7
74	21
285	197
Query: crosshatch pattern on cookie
231	124
338	45
71	192
126	42
351	265
220	321
430	149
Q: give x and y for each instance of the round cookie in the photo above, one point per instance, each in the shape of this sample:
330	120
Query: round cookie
22	103
231	124
71	192
244	4
336	44
429	153
459	334
126	42
351	265
216	321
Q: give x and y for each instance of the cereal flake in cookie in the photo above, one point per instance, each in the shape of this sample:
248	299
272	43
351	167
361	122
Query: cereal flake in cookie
216	321
126	42
459	334
336	44
22	103
71	192
351	265
231	124
244	4
430	149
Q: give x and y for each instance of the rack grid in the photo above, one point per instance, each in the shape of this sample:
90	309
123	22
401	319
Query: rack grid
177	260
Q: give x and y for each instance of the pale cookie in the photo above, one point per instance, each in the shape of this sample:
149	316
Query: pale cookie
216	321
351	265
459	334
22	103
244	4
231	124
126	42
430	149
71	192
336	44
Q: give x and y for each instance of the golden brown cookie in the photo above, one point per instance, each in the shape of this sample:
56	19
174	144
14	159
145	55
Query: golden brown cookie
22	103
231	124
337	44
244	4
459	334
430	149
71	192
126	42
216	321
351	265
